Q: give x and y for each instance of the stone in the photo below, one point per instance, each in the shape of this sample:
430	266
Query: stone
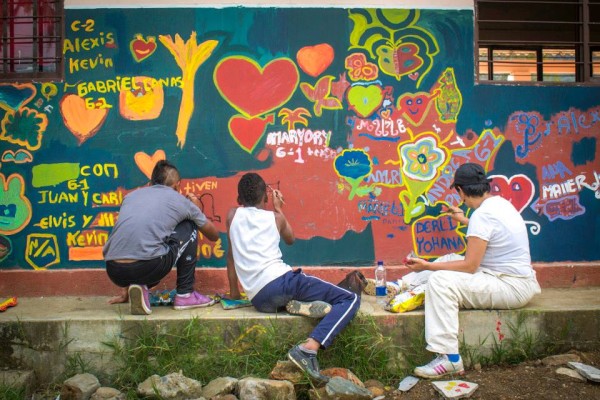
342	389
79	387
455	389
560	359
343	373
219	387
375	387
18	379
256	388
174	386
374	383
376	391
108	393
591	373
407	383
287	371
317	393
571	373
224	397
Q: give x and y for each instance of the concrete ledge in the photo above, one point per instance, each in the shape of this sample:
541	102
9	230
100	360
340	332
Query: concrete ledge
40	333
19	379
94	282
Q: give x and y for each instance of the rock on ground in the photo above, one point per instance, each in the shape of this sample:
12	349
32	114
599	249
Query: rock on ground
265	389
174	386
79	387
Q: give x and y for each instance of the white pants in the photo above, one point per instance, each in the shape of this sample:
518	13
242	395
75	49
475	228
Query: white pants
447	291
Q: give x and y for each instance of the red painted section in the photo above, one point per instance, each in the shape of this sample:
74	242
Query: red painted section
95	282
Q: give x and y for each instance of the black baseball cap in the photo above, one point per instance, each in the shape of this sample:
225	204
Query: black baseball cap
469	174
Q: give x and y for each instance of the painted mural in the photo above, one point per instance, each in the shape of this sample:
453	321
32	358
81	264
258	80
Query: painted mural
359	116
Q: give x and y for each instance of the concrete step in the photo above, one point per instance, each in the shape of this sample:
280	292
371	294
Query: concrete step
19	379
94	282
40	333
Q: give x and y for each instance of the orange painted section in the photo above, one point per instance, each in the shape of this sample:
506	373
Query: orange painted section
86	253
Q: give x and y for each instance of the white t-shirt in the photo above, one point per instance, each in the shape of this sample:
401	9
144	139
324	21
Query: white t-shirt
255	245
498	222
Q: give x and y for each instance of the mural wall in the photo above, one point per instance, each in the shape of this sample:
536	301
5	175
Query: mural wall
359	116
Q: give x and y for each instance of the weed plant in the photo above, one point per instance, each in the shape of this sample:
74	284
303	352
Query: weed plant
11	393
206	351
519	345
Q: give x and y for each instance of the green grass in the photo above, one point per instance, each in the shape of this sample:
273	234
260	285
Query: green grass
204	352
520	344
10	393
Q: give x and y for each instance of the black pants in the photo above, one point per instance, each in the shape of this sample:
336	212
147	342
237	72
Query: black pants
183	247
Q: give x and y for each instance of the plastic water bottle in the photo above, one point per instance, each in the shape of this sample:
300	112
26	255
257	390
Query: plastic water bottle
380	284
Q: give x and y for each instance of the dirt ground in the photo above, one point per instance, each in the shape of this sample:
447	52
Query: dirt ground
529	380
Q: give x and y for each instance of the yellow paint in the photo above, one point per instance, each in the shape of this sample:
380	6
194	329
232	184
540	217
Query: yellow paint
189	57
42	247
8	120
293	117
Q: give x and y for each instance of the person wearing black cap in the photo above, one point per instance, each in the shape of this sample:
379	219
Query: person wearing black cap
495	273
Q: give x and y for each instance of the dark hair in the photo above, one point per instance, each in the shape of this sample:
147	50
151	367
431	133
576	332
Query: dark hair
251	189
164	173
475	190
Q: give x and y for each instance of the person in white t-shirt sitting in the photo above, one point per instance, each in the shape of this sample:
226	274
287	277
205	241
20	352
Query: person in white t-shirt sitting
254	257
495	273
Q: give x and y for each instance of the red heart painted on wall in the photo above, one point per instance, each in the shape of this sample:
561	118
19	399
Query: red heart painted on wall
248	131
518	189
415	106
142	48
315	59
253	90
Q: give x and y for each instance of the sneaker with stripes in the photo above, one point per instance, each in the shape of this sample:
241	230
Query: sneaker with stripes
440	366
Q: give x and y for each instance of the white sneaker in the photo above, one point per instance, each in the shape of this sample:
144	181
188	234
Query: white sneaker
440	366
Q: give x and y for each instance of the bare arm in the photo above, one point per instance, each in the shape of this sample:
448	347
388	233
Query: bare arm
285	229
234	291
209	230
475	250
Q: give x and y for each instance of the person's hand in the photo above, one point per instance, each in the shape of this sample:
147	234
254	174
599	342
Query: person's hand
415	263
455	213
230	296
194	199
451	210
277	200
121	298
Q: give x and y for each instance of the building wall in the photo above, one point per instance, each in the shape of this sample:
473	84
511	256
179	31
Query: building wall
359	116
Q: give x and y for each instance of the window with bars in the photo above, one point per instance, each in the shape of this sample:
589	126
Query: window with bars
31	40
544	41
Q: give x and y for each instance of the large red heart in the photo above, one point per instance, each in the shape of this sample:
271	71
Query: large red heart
248	131
518	189
253	90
